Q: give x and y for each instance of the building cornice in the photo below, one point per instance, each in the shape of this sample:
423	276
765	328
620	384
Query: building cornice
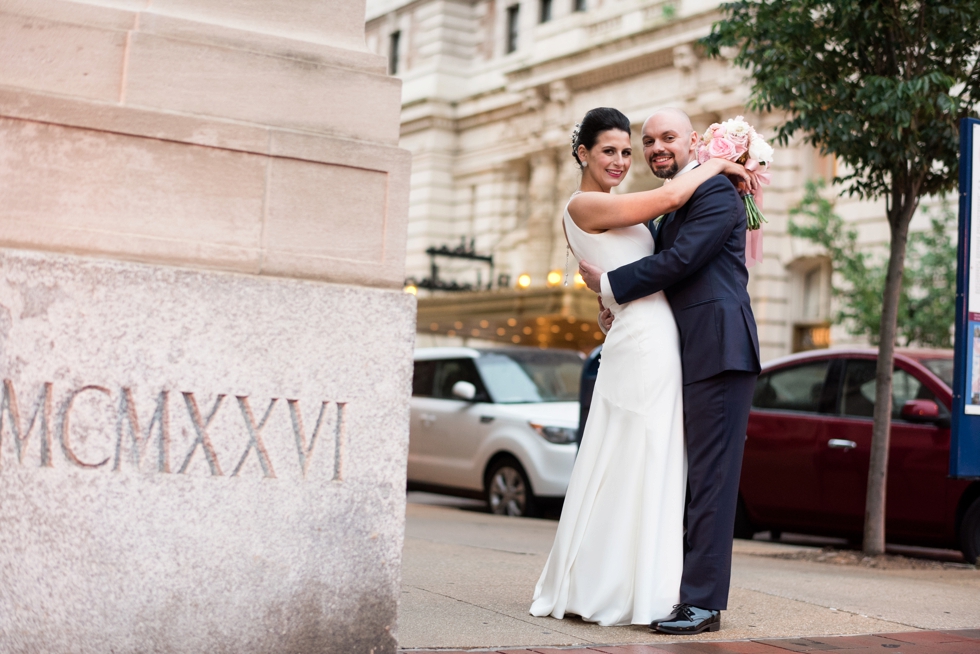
654	44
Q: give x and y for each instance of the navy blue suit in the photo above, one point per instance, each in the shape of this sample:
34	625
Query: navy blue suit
699	263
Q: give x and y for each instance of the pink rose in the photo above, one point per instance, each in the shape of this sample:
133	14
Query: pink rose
740	141
721	148
717	129
703	154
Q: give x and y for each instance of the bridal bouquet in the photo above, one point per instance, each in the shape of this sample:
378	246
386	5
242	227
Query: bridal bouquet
738	141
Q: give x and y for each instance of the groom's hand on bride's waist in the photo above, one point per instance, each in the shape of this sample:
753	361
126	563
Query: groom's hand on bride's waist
606	320
606	317
591	275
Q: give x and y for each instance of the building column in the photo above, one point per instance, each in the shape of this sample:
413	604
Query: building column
543	214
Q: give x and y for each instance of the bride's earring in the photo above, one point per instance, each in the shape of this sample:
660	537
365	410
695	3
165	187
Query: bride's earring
585	164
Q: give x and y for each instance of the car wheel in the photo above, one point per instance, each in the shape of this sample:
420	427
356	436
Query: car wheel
743	526
970	533
508	490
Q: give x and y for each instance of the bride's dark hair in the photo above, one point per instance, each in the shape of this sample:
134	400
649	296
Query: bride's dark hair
596	121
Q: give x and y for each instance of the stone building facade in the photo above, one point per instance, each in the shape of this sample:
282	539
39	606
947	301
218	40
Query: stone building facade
492	89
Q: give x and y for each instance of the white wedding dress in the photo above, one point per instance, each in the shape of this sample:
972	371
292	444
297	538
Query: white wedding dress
618	554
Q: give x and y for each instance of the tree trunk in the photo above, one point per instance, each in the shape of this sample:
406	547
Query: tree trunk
874	517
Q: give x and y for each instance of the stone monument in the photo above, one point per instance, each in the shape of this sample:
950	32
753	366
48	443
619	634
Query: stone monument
205	353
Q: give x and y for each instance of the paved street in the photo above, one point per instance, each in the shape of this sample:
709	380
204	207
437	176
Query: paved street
468	577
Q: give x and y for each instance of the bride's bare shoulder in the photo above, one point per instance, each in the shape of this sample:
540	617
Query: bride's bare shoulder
581	205
585	198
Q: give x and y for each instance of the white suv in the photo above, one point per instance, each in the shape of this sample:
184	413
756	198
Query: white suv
500	424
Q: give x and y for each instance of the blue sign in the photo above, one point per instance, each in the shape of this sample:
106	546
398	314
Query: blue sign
964	451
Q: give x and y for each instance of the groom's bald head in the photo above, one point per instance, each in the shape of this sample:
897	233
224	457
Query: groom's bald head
669	141
674	116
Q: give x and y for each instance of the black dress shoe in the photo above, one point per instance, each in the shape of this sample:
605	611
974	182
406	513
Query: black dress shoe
670	616
690	620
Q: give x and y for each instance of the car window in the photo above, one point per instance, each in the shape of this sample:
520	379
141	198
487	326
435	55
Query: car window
942	368
858	398
531	375
905	387
799	388
507	380
450	371
424	378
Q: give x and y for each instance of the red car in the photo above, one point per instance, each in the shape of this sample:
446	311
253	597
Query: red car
808	445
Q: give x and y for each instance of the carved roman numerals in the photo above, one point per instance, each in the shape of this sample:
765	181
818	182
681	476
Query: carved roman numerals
146	446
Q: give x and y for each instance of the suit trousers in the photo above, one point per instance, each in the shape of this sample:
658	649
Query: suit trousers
716	415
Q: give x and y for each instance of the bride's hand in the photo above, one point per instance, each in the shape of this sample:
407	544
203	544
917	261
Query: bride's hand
741	178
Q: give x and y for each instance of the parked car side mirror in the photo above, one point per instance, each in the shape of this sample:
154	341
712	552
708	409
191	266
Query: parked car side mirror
464	390
922	411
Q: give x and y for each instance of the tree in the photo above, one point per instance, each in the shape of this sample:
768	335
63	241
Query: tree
882	86
926	308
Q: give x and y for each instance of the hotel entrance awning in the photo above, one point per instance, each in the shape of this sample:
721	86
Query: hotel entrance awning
547	317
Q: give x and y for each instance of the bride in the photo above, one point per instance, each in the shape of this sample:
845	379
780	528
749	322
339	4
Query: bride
618	555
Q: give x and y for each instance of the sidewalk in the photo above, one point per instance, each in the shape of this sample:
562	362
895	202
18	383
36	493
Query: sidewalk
914	642
467	580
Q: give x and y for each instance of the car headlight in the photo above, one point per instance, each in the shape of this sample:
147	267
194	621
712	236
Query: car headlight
560	435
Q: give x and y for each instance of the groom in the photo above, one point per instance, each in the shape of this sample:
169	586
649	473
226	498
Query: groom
699	263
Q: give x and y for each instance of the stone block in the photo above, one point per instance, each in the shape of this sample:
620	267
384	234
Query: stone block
209	80
126	15
357	232
107	14
196	461
351	227
322	21
228	59
89	191
338	24
321	53
45	54
199	192
130	121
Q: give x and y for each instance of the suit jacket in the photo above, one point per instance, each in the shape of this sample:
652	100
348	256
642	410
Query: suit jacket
699	263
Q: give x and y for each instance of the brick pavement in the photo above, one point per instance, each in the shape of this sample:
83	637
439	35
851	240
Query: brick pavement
964	641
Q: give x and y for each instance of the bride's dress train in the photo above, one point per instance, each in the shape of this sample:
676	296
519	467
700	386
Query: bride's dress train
618	554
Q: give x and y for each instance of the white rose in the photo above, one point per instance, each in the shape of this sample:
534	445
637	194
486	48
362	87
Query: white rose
737	127
760	150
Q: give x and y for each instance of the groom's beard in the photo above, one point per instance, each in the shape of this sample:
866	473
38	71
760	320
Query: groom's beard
666	173
663	173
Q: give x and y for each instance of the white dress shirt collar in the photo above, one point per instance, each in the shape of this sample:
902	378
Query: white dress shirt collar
691	165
